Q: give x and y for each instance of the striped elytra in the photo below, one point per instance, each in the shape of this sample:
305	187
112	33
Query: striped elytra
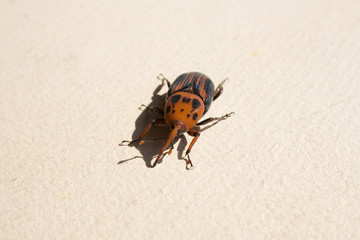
197	83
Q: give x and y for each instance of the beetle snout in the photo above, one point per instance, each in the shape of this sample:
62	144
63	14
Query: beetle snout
179	125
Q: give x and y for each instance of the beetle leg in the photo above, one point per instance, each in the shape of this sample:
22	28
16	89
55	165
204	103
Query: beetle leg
152	140
153	109
219	89
217	119
196	134
154	123
173	133
171	148
162	78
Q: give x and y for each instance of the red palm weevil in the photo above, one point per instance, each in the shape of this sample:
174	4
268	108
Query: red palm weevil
187	100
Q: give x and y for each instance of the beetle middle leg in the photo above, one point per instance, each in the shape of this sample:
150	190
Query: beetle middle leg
218	91
154	123
153	109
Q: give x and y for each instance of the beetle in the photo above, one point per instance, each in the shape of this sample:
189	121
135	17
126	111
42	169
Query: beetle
188	98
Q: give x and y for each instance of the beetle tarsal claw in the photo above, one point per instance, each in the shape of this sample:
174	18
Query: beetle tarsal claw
127	143
189	164
223	81
161	77
124	143
228	115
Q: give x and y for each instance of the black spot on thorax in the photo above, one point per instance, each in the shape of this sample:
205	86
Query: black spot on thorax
196	104
195	116
168	109
175	98
186	100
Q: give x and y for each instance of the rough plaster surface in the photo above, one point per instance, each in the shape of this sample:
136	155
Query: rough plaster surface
73	74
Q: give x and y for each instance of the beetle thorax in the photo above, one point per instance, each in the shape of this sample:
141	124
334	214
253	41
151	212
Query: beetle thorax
185	107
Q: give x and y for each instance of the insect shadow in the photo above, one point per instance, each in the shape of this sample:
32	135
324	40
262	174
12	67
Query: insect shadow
155	139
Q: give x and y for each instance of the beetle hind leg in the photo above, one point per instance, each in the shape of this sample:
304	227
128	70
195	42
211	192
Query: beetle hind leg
218	91
162	78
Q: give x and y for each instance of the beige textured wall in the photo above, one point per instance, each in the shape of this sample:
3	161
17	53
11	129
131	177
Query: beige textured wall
286	166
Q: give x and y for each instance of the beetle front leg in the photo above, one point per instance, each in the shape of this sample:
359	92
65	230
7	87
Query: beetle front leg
196	134
219	89
154	123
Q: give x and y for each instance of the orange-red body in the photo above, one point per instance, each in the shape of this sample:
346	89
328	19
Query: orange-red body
185	109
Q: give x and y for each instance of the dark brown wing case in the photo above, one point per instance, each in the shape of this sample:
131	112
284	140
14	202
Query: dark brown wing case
194	82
